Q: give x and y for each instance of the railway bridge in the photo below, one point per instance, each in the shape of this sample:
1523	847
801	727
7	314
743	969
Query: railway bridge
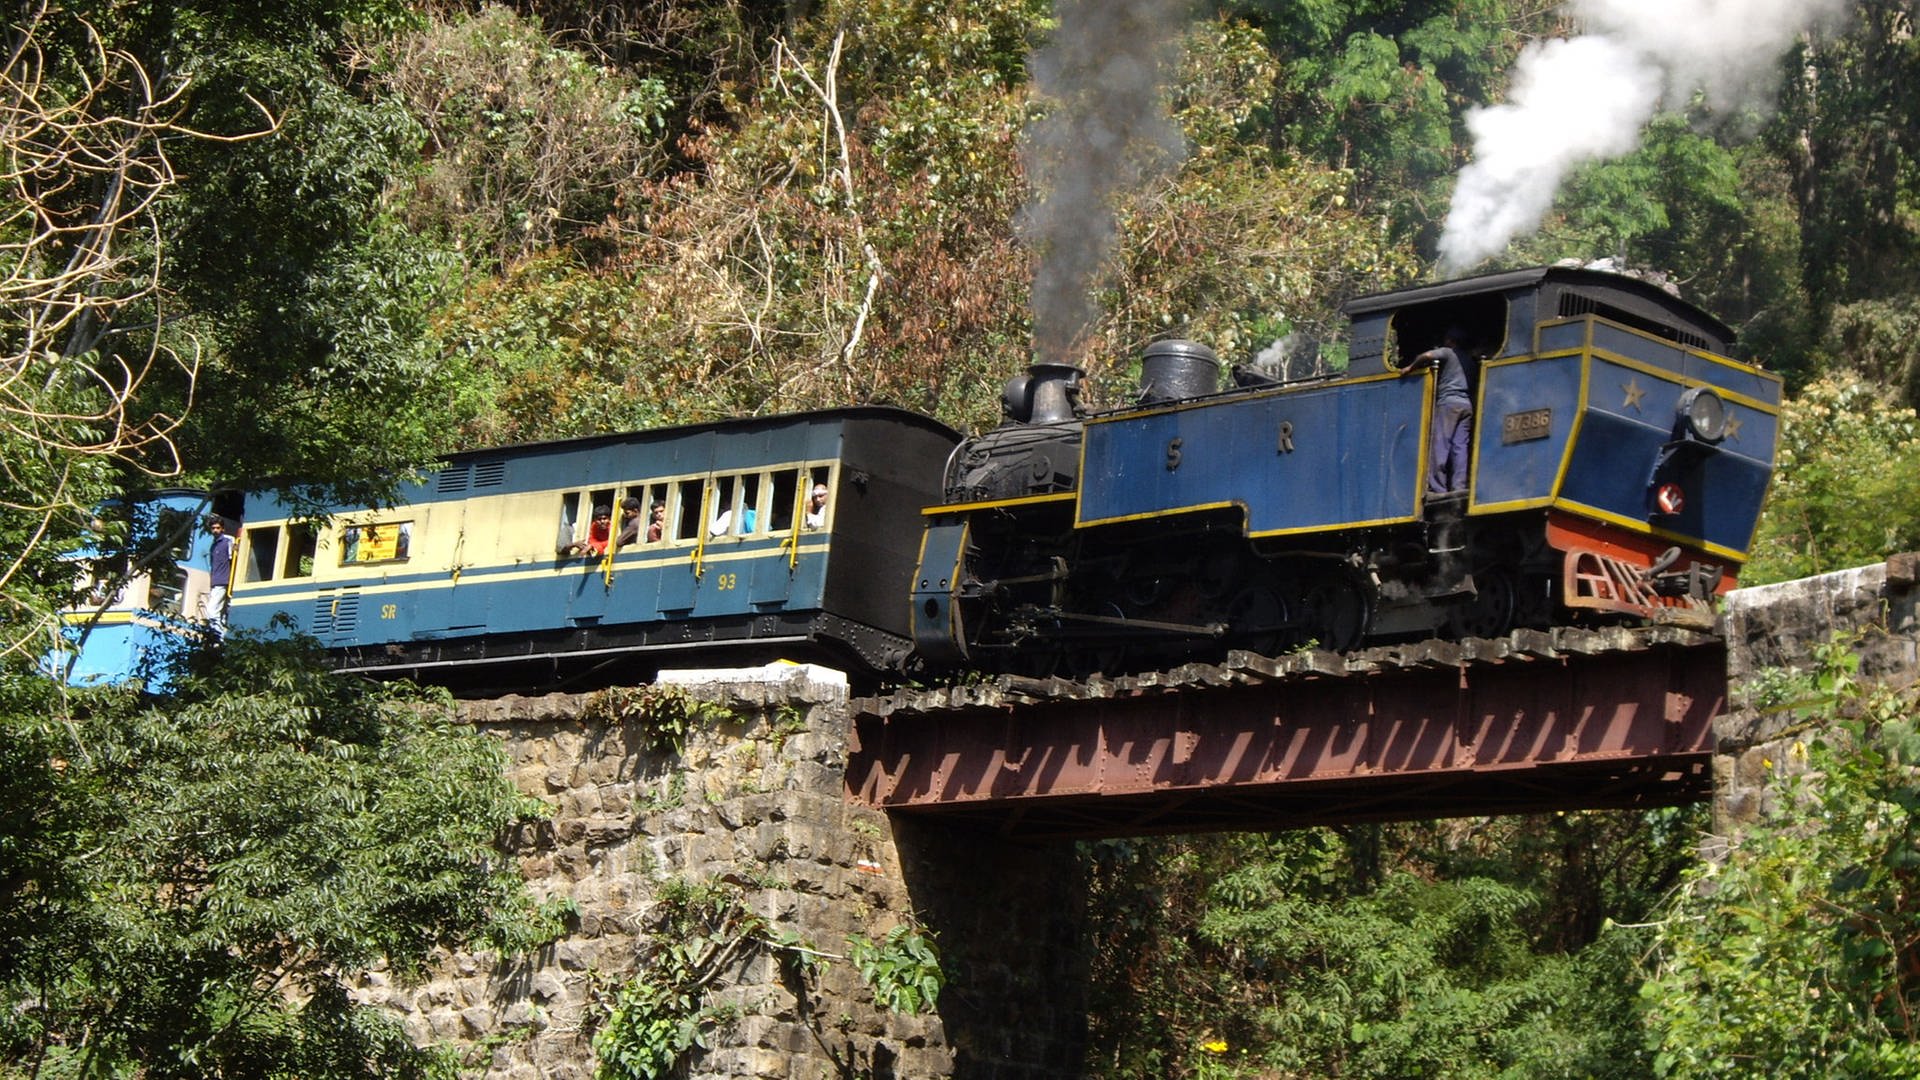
1538	720
1567	719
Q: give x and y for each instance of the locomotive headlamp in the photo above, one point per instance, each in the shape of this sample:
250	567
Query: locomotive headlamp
1669	498
1705	414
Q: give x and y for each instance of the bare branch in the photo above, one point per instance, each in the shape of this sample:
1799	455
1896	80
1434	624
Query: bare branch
84	169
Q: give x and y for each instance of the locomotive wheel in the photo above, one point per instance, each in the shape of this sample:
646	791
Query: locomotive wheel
1036	661
1533	604
1257	619
1491	611
1337	612
1216	574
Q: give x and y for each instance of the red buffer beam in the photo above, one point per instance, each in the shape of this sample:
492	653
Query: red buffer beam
1535	722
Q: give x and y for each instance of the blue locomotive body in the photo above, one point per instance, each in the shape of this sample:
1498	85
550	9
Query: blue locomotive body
1619	462
1332	455
496	559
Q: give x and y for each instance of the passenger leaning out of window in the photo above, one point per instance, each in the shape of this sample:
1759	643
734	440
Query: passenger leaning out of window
598	534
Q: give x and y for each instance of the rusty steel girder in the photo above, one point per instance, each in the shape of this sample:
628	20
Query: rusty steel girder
1533	723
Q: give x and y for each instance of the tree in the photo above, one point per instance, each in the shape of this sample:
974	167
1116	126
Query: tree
1382	89
185	884
1845	131
1457	948
85	134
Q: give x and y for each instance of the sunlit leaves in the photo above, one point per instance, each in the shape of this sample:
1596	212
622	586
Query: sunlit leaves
186	872
1842	495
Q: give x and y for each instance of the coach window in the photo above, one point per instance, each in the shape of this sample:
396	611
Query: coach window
724	508
167	597
301	543
380	541
820	476
687	511
656	496
568	535
263	548
785	486
751	513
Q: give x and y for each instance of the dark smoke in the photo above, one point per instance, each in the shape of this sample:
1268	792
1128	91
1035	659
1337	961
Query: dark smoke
1107	129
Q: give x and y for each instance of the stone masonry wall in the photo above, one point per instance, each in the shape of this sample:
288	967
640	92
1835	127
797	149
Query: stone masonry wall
759	802
1781	626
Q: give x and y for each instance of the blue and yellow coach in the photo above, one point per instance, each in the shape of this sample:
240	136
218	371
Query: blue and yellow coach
491	571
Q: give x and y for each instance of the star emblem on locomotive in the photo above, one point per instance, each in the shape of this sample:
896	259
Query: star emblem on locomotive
1634	394
1733	426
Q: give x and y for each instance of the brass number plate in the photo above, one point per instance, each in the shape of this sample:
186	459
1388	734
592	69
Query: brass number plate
1523	426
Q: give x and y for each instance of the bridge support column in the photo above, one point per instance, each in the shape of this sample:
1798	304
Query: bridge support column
1780	626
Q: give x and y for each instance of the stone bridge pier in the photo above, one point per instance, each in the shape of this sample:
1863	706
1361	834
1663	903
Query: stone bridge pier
758	802
1781	626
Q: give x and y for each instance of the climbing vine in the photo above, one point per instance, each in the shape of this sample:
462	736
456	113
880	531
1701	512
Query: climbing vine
901	969
701	929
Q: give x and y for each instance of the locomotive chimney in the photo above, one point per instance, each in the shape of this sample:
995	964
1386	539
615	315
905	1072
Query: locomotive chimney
1046	394
1175	369
1056	392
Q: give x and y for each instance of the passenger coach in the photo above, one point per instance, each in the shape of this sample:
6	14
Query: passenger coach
485	566
126	622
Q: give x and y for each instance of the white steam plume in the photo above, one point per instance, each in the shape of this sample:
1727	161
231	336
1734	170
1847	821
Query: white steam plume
1587	99
1106	70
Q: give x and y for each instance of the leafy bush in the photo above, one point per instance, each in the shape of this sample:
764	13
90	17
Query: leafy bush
189	879
1796	956
901	969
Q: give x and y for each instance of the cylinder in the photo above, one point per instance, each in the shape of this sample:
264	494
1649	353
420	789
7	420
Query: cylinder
1177	368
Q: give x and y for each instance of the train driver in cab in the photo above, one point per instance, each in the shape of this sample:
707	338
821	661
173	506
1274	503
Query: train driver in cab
1452	412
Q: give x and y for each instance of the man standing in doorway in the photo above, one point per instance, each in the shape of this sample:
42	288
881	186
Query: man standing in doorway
213	606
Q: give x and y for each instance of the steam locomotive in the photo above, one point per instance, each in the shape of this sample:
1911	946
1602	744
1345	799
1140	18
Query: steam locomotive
1619	463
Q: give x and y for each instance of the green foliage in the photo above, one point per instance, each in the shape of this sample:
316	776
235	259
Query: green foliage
1383	88
1841	494
1797	954
901	969
187	880
697	931
1471	948
664	713
1880	339
529	143
1800	693
1843	132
